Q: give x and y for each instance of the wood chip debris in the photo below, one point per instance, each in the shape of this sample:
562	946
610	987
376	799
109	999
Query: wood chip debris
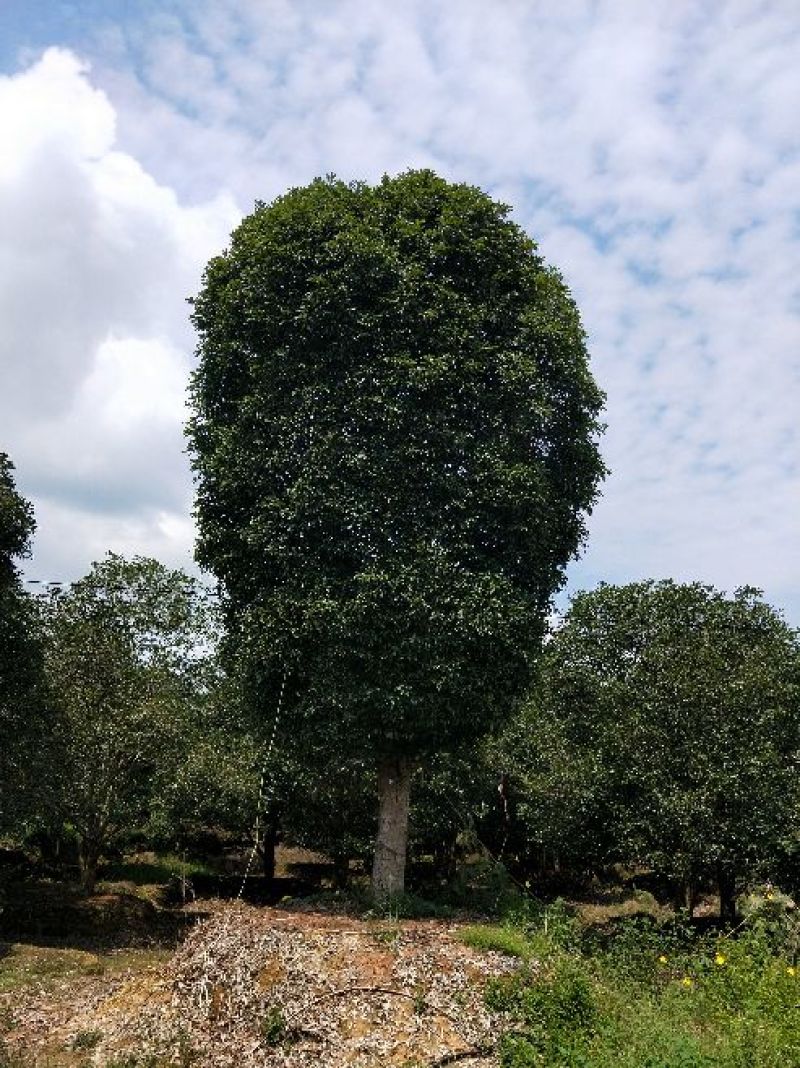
262	988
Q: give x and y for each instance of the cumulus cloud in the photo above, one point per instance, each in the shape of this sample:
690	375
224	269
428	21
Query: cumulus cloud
652	149
97	259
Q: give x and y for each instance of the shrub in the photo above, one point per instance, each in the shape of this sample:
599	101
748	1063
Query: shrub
652	997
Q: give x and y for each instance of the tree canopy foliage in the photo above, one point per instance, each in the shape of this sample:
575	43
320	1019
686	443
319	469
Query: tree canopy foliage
665	731
16	521
395	443
22	704
123	653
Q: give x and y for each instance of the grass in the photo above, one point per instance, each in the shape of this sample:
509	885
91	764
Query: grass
23	965
599	913
646	995
506	940
151	869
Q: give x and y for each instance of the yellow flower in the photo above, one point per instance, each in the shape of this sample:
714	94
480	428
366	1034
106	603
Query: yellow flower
790	970
686	981
720	959
662	959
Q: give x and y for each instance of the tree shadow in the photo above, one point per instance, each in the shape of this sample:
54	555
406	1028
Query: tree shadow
58	915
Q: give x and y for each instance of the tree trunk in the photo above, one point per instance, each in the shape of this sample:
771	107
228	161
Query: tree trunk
726	884
686	896
389	866
266	850
341	871
89	858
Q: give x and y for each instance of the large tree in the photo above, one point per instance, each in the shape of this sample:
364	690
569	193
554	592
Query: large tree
665	731
394	438
22	705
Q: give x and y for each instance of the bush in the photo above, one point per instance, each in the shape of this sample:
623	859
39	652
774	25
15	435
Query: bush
484	886
558	1012
776	916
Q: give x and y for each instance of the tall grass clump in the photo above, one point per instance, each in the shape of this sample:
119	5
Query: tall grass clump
650	996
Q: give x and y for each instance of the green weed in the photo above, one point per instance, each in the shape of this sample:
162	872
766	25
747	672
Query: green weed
387	934
506	940
86	1040
273	1027
651	997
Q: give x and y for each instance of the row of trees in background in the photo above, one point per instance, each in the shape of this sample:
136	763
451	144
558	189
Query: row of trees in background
663	732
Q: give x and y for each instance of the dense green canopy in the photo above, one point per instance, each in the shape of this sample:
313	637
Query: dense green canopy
124	656
22	709
394	438
666	732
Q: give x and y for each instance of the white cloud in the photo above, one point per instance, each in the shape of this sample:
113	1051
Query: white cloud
652	149
97	259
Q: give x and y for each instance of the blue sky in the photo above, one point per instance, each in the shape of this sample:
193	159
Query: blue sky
652	150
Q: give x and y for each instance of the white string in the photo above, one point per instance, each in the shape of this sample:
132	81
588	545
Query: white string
257	828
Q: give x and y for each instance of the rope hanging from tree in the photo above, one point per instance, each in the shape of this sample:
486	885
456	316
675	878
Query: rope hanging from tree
261	794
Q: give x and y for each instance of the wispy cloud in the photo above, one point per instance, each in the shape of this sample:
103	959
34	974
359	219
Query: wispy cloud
652	150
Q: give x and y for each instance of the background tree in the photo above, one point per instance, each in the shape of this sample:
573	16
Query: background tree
229	778
123	653
454	797
670	716
332	810
394	438
562	813
23	709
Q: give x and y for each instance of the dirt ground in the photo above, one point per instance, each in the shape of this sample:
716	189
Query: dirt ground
256	986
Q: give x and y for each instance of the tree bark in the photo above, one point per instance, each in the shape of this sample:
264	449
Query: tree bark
726	884
89	859
266	849
389	866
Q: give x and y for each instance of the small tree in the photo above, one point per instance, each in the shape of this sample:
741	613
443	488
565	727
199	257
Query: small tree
394	437
676	714
122	658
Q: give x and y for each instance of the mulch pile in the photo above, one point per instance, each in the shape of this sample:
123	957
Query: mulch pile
263	987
